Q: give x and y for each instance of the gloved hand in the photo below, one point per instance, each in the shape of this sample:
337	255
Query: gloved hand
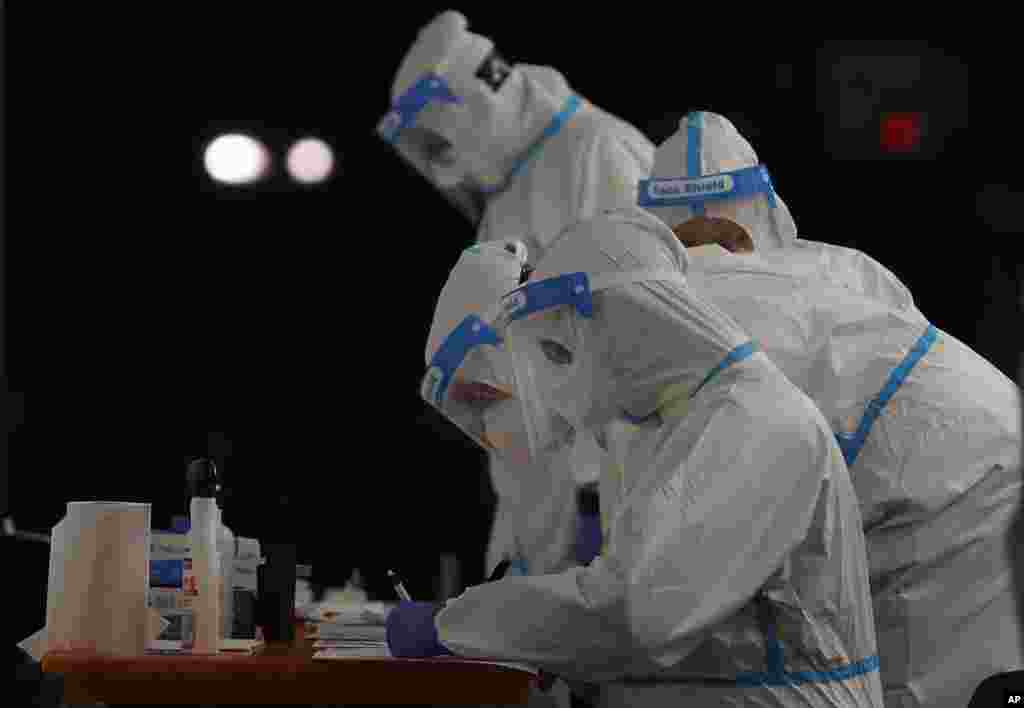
588	524
411	632
588	538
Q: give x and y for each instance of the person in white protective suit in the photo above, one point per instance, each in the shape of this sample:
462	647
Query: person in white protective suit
734	571
930	429
522	156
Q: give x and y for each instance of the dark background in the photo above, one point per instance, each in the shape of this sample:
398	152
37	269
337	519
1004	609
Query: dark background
151	314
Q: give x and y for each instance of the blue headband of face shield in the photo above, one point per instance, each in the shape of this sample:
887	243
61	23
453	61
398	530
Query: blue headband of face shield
470	334
410	104
474	336
570	289
694	192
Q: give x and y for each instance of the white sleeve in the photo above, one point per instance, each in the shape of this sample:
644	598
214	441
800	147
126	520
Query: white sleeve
724	522
711	530
550	621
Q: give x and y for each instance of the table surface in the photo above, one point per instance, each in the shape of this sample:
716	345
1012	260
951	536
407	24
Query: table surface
283	673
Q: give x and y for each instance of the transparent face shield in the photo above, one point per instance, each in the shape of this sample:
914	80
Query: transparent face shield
544	329
470	382
414	127
744	196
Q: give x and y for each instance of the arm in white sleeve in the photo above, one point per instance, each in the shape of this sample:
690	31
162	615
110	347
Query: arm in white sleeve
713	525
723	522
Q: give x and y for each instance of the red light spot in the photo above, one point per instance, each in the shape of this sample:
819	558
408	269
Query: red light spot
901	132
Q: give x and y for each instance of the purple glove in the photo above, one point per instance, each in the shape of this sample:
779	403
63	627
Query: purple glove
411	632
588	538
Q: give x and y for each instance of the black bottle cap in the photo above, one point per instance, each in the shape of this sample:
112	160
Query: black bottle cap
201	478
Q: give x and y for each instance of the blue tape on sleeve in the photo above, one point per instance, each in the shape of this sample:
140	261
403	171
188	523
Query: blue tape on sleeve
851	443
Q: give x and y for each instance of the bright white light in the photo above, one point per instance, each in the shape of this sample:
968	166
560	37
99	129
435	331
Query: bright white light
310	160
236	159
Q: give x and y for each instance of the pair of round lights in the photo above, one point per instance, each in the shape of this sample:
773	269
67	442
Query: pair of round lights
241	159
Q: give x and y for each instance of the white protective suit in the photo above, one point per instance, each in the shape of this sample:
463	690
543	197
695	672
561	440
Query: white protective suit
937	473
544	158
709	144
938	476
734	571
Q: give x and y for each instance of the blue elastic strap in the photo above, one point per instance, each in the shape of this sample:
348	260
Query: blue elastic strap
851	443
402	115
569	289
694	141
471	333
737	355
694	192
556	124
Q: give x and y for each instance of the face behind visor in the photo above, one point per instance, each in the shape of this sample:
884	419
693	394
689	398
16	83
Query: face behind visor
468	383
448	103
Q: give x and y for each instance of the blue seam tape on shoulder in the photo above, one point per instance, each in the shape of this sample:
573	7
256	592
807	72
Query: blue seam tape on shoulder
557	123
734	357
851	443
737	355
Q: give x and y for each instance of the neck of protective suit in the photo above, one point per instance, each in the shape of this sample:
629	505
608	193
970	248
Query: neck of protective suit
707	162
624	368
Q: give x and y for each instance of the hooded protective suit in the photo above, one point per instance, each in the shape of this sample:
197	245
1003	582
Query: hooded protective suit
523	157
930	429
938	475
734	571
708	144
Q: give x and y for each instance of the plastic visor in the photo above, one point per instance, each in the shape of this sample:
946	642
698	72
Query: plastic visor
545	326
400	129
469	383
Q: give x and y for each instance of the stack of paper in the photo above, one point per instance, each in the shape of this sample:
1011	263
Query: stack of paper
227	646
361	632
347	613
351	648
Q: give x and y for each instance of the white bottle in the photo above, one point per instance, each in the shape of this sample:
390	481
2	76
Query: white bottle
206	620
226	554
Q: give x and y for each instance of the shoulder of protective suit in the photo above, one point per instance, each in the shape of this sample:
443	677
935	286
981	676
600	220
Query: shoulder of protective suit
595	125
615	240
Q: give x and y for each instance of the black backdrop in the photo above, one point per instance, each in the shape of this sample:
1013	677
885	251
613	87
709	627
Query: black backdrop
152	314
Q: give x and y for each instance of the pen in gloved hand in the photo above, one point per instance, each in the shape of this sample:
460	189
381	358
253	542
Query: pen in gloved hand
399	588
